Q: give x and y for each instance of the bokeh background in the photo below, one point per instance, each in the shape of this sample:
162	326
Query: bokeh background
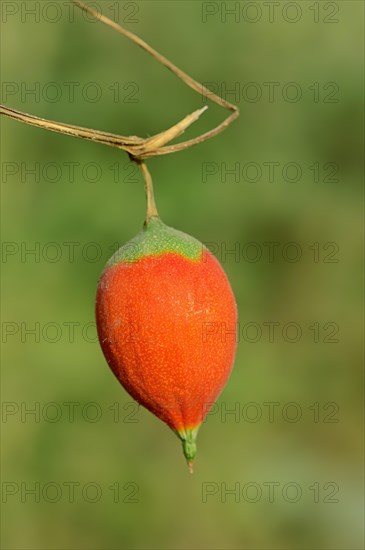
131	486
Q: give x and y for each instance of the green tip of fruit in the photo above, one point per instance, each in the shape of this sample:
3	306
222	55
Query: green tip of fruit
188	440
189	448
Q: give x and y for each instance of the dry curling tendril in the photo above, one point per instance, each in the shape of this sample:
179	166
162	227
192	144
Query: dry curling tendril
137	148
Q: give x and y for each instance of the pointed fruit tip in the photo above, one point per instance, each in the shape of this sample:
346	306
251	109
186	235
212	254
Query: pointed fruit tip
188	439
190	466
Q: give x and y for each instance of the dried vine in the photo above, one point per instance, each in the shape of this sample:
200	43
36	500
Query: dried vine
138	148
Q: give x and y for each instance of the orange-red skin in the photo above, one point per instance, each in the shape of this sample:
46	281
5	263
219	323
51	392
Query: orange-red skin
167	327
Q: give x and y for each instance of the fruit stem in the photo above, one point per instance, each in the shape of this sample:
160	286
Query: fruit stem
151	205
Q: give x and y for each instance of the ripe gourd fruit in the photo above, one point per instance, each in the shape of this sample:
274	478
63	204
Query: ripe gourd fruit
166	320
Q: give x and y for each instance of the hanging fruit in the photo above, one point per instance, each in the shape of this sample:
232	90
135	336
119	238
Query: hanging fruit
166	319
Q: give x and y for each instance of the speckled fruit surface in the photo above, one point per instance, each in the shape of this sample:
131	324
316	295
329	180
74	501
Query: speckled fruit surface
166	319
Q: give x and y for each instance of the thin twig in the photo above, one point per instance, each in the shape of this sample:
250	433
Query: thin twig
136	147
114	140
160	58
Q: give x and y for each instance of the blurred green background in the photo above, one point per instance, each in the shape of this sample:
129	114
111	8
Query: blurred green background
131	486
